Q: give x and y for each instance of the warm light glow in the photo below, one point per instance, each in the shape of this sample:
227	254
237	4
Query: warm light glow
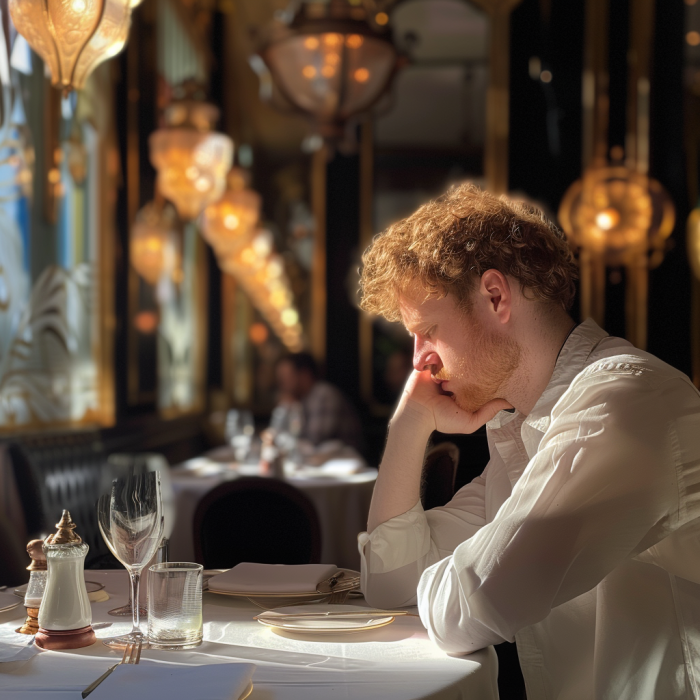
361	75
308	72
153	248
229	224
258	333
546	76
188	187
327	71
202	184
381	18
311	43
146	322
248	256
354	41
332	58
74	37
231	221
331	39
693	38
607	219
290	317
262	244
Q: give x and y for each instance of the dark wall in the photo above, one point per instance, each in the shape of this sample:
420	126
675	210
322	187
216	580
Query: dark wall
545	143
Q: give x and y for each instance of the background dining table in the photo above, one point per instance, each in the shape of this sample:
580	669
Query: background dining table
395	662
341	500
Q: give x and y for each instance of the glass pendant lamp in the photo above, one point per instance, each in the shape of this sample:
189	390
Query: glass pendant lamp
73	36
153	245
229	224
191	159
330	63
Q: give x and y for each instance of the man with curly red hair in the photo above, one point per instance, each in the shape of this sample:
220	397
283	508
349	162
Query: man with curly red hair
581	539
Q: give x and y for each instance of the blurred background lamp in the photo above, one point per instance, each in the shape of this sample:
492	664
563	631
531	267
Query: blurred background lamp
72	37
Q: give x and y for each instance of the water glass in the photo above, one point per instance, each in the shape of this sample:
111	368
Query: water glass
175	605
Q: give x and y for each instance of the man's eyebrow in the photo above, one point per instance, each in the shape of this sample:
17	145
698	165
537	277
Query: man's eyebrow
426	325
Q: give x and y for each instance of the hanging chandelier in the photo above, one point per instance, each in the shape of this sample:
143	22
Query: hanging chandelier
330	63
229	224
153	244
191	159
615	212
261	273
73	37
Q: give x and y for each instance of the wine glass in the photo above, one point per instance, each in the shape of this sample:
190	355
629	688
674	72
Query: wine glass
119	464
287	423
103	509
240	428
133	530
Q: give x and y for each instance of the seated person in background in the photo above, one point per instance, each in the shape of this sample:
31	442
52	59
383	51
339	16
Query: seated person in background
326	413
581	539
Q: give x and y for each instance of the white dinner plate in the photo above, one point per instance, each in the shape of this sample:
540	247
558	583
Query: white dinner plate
330	625
8	602
267	600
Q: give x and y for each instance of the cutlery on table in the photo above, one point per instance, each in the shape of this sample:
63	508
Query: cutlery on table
132	655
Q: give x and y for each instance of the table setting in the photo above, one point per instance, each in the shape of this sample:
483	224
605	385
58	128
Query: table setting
332	475
255	630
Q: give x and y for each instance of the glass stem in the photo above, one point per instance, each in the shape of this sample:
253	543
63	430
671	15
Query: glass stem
135	607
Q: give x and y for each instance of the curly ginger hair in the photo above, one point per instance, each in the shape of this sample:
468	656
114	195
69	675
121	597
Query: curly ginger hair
448	243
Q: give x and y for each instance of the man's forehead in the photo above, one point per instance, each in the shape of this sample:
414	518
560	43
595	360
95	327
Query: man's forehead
418	308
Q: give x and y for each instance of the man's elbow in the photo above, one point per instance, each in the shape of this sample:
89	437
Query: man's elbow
455	640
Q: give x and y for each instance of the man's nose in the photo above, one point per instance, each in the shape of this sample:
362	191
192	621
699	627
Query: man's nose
425	357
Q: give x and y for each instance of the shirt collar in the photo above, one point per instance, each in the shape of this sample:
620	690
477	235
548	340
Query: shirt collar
571	360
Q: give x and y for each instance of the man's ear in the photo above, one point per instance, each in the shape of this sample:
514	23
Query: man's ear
495	287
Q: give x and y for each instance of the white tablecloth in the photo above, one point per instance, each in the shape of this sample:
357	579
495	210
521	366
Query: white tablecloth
342	504
395	662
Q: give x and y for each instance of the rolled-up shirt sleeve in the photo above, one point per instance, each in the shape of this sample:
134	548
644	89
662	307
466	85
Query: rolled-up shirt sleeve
395	554
602	487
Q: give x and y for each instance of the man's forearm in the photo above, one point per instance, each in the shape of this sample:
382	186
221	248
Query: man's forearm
398	485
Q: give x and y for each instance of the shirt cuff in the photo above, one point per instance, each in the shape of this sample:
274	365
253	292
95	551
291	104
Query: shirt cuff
397	542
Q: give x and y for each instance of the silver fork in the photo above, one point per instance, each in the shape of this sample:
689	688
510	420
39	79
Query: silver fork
132	655
338	597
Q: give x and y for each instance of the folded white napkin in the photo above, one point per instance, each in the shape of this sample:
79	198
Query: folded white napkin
209	682
16	647
342	466
272	578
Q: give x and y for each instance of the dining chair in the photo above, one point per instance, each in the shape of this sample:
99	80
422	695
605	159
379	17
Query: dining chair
13	557
439	473
259	520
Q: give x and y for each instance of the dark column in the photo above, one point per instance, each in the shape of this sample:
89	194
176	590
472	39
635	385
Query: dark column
342	241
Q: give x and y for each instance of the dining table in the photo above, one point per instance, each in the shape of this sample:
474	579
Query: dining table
394	662
340	496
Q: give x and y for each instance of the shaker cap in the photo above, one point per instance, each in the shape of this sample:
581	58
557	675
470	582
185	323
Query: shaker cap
66	532
36	554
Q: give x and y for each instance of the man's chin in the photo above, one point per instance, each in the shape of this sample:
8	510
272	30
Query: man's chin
472	402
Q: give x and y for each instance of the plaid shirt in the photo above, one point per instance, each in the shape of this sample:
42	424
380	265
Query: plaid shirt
328	415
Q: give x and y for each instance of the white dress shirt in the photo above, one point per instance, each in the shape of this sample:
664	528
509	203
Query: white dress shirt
581	539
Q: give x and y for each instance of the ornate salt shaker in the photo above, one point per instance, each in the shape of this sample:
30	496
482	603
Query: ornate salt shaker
35	587
65	615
